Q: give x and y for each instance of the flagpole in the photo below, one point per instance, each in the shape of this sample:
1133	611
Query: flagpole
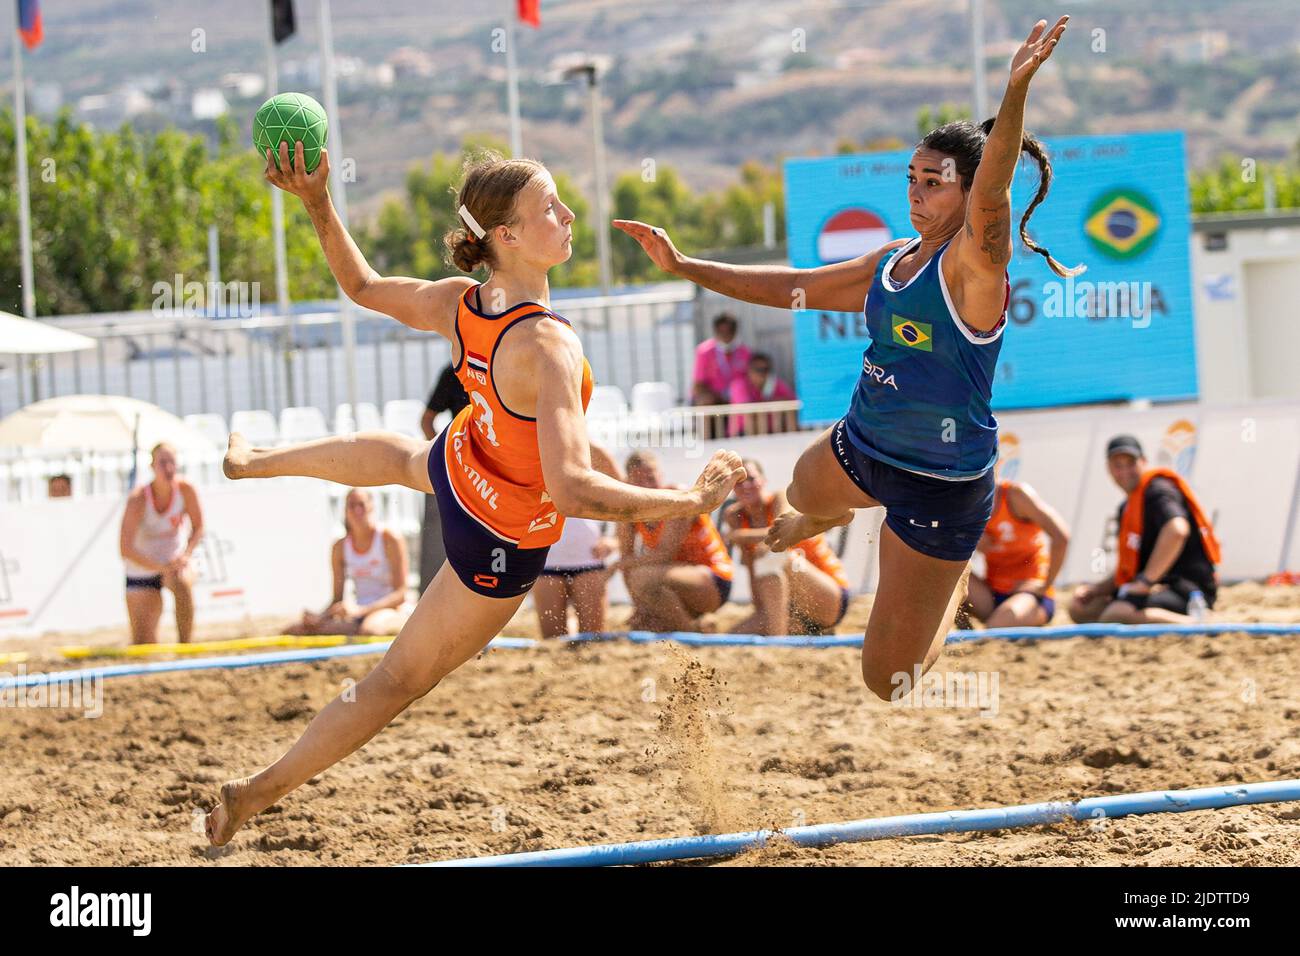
340	195
512	89
24	203
277	239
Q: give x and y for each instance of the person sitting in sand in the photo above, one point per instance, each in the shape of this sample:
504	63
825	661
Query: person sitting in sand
374	559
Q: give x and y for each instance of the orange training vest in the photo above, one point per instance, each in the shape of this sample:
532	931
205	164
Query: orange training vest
702	545
1017	550
1130	525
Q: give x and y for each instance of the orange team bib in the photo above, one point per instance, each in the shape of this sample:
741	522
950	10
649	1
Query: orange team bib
702	545
1130	527
494	466
1015	550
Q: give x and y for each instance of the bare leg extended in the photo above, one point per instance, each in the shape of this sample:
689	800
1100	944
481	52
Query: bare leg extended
916	599
450	625
363	459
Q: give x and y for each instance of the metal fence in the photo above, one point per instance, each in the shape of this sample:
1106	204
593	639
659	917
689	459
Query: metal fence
190	365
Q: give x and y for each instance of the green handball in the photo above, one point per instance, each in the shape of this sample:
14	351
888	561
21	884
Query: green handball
288	118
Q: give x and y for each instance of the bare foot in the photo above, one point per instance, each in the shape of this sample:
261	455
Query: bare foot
793	526
238	455
225	819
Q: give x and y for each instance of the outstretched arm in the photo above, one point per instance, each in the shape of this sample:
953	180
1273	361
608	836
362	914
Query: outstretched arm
418	303
574	485
839	287
984	245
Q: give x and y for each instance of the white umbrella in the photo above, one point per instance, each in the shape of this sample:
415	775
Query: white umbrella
97	423
20	336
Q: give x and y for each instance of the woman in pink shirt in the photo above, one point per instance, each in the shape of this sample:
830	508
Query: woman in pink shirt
760	384
719	362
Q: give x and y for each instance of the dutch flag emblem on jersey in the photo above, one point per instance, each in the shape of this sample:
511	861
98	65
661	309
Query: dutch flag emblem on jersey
477	362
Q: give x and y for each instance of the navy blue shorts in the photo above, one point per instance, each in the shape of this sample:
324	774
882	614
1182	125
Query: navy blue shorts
940	518
1046	603
485	563
723	585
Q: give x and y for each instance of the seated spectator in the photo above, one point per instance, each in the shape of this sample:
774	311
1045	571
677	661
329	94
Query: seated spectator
682	570
374	559
575	574
1024	547
1167	549
59	486
760	384
806	582
719	361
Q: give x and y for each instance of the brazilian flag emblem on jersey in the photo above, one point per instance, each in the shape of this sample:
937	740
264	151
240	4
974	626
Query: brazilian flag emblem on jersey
1121	223
913	334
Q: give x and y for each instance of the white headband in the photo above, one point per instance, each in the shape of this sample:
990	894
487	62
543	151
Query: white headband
471	222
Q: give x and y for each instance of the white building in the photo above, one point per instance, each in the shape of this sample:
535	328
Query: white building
1246	270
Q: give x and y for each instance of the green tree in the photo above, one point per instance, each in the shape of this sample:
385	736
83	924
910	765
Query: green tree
1239	184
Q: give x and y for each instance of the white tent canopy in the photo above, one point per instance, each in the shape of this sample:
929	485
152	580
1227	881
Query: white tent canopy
97	423
19	336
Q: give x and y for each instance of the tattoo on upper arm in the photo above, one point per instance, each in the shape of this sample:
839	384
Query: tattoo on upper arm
997	234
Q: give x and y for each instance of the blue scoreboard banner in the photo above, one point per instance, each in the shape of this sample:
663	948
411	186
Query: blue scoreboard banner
1121	330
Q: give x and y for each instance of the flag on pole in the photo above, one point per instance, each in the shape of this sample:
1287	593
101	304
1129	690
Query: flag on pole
31	29
282	21
530	12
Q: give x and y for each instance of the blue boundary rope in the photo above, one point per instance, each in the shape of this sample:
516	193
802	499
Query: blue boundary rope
880	828
639	637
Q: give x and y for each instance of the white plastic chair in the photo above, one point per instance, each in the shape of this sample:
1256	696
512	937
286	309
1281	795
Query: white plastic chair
302	423
651	398
403	415
607	401
367	418
211	426
257	425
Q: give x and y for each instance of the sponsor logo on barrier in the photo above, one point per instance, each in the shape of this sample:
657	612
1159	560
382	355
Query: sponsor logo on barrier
1178	447
1008	456
75	908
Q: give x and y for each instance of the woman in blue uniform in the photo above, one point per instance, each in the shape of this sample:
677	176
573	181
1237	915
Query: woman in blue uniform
919	437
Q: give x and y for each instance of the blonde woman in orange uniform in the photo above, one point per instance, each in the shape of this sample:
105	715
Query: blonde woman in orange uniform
807	582
504	472
683	570
1024	548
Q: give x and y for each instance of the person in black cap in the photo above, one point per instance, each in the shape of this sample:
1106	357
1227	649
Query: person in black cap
1167	548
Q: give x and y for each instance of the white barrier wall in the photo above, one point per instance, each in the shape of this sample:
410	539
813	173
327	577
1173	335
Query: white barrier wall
1243	462
265	550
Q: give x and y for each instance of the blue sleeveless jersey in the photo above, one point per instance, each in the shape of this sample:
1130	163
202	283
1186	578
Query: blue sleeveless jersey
923	400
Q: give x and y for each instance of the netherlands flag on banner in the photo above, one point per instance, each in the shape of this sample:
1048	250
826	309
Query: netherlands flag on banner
476	361
851	233
29	23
